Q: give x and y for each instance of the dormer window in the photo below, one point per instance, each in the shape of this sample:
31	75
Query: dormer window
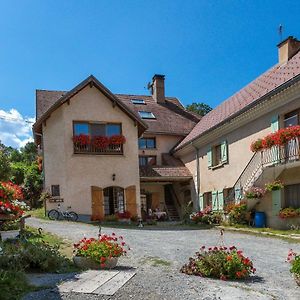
146	115
138	101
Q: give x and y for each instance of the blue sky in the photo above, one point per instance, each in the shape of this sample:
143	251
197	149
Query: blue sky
207	49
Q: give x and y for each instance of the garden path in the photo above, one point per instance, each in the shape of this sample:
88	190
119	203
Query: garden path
159	254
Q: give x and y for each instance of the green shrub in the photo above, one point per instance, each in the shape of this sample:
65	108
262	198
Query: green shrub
294	259
219	262
237	213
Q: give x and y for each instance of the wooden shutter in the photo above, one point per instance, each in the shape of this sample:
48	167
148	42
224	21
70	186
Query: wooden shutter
97	204
214	196
275	151
130	200
201	202
209	158
220	200
224	152
237	194
276	202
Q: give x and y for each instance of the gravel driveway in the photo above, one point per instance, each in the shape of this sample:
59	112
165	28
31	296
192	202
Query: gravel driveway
163	281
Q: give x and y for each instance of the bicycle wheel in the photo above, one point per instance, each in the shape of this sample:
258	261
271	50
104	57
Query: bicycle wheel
53	214
73	216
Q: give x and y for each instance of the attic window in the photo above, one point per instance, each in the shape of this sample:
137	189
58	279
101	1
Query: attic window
138	101
146	115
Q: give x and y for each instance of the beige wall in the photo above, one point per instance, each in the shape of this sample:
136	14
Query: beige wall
158	194
164	143
76	173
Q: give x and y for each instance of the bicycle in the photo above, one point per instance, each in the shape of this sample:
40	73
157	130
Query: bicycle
56	214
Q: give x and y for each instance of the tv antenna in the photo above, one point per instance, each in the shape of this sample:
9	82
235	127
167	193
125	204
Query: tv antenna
280	32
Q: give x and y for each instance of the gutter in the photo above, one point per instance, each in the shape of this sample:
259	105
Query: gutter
265	97
198	174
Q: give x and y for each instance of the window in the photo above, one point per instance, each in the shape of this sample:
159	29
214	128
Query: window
228	195
147	160
292	195
55	192
97	129
217	155
292	118
207	199
147	143
146	115
138	101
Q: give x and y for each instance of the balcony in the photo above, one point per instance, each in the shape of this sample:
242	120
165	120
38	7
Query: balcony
98	145
281	154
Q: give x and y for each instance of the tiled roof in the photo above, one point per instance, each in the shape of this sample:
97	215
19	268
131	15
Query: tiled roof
254	91
164	172
171	117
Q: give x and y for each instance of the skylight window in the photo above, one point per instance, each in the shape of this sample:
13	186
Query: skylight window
138	101
146	115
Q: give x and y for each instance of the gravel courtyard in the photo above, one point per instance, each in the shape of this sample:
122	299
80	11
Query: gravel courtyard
160	279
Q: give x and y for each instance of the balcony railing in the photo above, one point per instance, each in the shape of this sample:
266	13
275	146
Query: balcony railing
281	154
91	149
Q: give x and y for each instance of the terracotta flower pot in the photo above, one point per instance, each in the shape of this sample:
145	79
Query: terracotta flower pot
88	263
9	234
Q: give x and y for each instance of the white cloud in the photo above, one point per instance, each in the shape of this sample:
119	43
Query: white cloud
15	130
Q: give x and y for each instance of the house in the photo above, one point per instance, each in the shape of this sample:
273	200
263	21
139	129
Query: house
217	150
171	157
106	153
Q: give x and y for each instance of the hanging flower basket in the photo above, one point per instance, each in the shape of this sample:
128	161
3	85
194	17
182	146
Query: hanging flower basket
274	186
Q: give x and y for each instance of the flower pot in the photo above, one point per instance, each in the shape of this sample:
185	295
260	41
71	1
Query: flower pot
10	234
4	217
88	263
297	278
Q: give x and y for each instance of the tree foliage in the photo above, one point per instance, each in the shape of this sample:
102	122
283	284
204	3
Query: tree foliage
21	167
199	108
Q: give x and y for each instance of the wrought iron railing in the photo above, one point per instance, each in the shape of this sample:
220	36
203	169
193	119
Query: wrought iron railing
91	149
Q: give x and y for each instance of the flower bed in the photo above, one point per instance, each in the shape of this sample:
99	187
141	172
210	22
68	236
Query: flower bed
206	216
278	138
102	249
219	262
237	212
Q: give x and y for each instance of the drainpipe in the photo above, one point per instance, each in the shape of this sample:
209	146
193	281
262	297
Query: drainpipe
43	169
198	174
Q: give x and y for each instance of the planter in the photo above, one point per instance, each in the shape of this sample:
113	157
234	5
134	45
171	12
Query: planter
4	217
297	278
88	263
10	234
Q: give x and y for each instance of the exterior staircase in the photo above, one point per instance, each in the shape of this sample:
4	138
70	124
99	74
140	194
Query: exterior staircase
172	212
262	162
170	203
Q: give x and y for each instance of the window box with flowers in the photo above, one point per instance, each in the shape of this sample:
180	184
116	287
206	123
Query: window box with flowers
289	212
254	193
274	186
100	253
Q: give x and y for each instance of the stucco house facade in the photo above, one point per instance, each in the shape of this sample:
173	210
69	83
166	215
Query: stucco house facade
171	157
96	177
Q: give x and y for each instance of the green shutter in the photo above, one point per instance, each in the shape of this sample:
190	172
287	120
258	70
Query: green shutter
209	158
275	123
237	194
220	200
214	196
201	201
276	202
224	152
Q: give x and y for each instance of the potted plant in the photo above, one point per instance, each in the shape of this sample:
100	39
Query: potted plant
100	253
274	186
124	216
289	212
254	193
294	259
117	140
9	230
219	262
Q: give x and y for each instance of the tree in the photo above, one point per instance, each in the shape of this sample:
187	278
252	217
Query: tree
5	169
29	153
199	108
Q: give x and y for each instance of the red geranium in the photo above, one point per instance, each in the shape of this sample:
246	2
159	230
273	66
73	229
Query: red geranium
81	140
100	142
117	139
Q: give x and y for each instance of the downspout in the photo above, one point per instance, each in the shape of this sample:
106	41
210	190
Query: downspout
198	175
43	168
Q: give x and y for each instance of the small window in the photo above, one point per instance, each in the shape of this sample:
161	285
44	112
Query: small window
291	119
146	115
228	194
292	195
147	160
207	199
55	192
216	155
138	101
147	143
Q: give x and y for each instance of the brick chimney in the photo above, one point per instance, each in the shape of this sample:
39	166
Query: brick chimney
157	88
287	49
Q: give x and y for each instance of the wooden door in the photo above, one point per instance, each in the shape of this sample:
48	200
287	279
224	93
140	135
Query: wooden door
97	204
130	198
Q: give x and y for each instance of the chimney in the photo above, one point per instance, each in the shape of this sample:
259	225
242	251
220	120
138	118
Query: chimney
287	49
157	88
